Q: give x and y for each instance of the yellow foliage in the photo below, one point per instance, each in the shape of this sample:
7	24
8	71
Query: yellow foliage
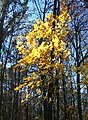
22	101
30	84
43	41
20	86
83	71
76	69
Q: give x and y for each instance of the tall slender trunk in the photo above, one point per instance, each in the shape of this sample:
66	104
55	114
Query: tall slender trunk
27	115
79	97
1	95
57	100
1	35
78	75
57	83
50	90
2	73
64	94
44	100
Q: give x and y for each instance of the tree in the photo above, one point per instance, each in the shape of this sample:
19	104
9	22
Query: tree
79	43
38	57
11	15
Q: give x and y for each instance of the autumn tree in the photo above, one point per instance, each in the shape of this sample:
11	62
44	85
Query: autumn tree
44	58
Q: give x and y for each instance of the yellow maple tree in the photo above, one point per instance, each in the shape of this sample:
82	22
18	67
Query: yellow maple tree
40	42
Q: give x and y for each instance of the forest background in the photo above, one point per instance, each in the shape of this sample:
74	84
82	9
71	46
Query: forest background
44	60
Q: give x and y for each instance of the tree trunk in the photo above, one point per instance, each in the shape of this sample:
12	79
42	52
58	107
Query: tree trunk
79	97
50	91
57	100
58	12
1	35
64	94
45	105
27	115
78	76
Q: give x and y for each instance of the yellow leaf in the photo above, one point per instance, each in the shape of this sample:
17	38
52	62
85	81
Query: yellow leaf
73	92
79	72
22	101
19	87
27	96
30	84
50	100
38	83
